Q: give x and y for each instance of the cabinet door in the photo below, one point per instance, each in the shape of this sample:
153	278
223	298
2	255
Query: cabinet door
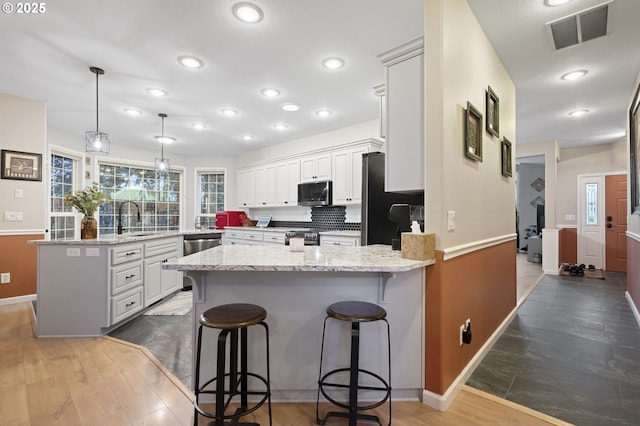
152	280
308	169
341	177
404	161
247	188
265	186
355	158
317	167
170	280
287	180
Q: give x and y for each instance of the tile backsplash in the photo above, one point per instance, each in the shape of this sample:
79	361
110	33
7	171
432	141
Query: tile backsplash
330	218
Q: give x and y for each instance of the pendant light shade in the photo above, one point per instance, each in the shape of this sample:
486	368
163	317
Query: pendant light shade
97	142
162	164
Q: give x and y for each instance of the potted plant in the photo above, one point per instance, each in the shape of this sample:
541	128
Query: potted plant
87	201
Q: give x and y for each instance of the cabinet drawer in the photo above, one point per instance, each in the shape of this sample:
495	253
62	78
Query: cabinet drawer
164	245
233	241
339	241
232	234
274	238
125	277
126	304
126	253
249	236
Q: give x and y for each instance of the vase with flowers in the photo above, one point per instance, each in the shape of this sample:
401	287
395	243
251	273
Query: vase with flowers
87	201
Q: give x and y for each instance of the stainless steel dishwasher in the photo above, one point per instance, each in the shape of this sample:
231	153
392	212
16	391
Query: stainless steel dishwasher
194	243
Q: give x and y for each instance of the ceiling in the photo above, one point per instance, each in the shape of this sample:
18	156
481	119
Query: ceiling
47	56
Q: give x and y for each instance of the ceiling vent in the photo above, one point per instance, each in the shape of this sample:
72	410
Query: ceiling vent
580	27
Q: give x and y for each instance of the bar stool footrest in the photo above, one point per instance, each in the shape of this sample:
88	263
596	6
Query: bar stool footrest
345	415
386	388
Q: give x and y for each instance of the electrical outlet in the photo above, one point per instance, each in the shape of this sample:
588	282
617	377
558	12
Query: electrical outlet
5	278
463	329
461	332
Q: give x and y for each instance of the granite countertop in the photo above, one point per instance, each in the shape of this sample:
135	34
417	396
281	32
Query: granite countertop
267	229
375	258
125	238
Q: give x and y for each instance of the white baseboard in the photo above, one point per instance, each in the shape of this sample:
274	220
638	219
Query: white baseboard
442	402
18	299
634	309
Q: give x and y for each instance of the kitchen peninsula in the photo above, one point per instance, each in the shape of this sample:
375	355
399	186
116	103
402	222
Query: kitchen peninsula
295	288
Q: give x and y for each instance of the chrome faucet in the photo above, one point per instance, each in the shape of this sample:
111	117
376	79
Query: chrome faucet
120	214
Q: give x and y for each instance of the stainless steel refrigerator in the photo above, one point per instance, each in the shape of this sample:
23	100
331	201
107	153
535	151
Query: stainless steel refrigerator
375	227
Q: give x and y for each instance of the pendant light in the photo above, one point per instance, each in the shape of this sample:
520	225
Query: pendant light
162	164
97	142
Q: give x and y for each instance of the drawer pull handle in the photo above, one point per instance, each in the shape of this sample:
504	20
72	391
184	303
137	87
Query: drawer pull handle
130	253
129	304
128	277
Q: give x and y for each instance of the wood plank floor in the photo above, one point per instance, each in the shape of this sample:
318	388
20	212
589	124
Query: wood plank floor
105	381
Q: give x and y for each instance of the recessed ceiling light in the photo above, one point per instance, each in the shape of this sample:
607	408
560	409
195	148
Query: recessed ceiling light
270	93
553	3
156	92
229	112
190	62
333	63
280	126
166	139
247	12
290	107
133	111
574	75
579	112
247	137
323	113
198	126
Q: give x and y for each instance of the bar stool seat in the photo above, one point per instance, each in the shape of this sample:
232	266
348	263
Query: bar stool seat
354	312
230	319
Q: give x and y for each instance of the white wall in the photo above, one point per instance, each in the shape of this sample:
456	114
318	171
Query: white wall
23	128
459	65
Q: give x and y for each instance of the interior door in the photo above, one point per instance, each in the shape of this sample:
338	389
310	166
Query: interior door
591	239
616	222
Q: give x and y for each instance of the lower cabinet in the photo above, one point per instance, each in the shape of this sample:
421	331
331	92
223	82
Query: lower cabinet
334	240
158	282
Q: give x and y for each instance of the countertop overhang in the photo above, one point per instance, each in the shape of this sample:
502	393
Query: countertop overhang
125	238
374	258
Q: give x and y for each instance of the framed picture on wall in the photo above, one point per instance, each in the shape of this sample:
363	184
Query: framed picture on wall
493	112
634	153
21	165
507	168
473	133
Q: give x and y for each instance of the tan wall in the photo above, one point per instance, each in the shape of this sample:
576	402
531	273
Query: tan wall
478	286
460	64
19	259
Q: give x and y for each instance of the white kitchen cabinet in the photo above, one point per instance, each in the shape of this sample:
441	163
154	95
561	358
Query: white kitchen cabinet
158	282
232	236
287	180
347	175
252	237
404	94
126	282
275	238
265	185
335	240
315	167
246	188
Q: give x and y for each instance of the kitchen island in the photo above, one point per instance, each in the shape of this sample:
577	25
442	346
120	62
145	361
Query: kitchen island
295	288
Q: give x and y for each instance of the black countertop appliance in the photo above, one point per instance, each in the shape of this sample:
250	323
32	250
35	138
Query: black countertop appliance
376	228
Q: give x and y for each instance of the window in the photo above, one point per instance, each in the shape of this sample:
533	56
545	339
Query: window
591	210
62	217
157	196
211	195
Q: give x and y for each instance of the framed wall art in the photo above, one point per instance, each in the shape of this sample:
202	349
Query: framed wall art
634	153
21	165
492	112
507	167
473	133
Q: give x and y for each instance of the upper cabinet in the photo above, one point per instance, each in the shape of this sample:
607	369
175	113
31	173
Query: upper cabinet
347	175
266	185
287	180
247	188
404	116
315	167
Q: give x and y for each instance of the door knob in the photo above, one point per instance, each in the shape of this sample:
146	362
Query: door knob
609	225
609	218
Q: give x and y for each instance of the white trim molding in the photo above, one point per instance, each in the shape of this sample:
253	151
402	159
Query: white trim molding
7	232
455	251
634	309
442	402
633	236
18	299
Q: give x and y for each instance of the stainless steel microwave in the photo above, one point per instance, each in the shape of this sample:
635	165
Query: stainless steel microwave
315	193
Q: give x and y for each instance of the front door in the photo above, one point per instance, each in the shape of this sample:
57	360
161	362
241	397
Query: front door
616	222
590	220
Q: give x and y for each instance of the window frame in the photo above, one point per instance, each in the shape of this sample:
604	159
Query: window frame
197	193
79	161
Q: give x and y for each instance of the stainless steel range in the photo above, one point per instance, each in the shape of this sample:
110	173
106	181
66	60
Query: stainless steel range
311	238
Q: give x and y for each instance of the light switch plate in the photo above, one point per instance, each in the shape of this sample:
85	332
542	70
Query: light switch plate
73	252
5	278
19	193
451	220
92	252
13	216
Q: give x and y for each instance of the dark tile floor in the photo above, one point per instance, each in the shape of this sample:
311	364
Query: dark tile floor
167	337
572	351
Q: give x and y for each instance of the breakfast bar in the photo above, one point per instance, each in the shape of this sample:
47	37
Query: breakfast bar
295	288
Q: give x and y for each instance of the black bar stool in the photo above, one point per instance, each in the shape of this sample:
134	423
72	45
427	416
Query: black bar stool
354	312
230	319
